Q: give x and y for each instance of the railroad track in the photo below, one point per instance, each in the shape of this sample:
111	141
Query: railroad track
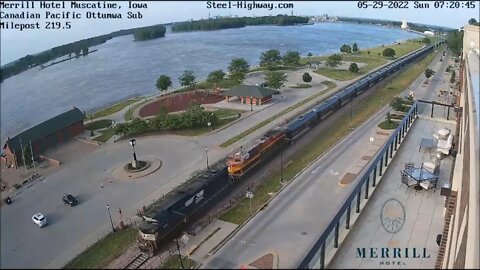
140	259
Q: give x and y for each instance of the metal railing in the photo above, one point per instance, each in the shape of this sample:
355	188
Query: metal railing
316	258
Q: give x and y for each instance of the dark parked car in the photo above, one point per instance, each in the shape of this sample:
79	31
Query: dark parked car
70	199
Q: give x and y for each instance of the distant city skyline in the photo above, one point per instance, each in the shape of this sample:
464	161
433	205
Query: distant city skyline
16	44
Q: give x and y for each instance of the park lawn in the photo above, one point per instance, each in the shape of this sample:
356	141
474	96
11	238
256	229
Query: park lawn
174	263
330	85
222	113
302	85
326	139
339	74
129	114
226	83
200	130
106	135
105	251
113	109
104	123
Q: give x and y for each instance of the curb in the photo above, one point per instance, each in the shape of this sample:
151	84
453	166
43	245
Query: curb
229	236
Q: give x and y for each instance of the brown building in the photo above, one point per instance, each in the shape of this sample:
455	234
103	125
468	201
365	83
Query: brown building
43	136
250	94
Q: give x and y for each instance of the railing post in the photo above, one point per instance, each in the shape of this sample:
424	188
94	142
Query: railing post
386	157
374	175
381	166
358	202
391	149
448	113
431	114
335	243
347	225
396	142
366	187
322	257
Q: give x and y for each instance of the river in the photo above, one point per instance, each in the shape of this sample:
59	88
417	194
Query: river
122	67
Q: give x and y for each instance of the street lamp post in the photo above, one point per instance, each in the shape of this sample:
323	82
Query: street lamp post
110	216
179	254
251	103
281	167
206	154
132	143
114	125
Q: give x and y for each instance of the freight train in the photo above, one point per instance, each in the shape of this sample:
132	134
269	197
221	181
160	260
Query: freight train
170	214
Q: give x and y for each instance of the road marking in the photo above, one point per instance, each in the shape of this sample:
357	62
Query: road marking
333	172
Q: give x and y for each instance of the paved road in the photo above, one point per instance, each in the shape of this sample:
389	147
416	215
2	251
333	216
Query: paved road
71	230
295	219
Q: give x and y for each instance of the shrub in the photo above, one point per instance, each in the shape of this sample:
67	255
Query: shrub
306	77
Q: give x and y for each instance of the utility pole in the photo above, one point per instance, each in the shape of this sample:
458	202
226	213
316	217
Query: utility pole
179	254
281	167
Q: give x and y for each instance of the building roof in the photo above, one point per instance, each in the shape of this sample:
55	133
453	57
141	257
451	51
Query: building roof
44	129
248	91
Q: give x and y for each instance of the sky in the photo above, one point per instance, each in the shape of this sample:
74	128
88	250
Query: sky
16	44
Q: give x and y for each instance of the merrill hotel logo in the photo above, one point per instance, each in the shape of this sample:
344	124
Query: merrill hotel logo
392	218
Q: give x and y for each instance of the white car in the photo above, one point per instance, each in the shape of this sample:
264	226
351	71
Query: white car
39	219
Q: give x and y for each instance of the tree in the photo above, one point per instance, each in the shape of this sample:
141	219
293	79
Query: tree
310	54
426	40
397	104
354	47
163	82
291	58
270	59
473	21
345	48
333	60
306	77
452	78
187	78
275	80
215	76
27	155
238	68
353	68
428	73
368	52
388	52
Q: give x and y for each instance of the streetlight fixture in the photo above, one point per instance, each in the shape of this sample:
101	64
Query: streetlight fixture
110	216
206	154
132	143
209	124
281	167
179	254
114	125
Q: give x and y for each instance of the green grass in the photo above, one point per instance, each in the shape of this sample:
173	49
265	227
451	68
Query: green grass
113	109
106	135
338	74
329	85
222	113
279	67
104	123
302	85
372	60
174	263
105	251
206	85
326	139
201	130
388	124
129	114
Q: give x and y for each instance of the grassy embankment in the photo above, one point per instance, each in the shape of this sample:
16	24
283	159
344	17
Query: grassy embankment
372	60
329	85
328	137
112	109
174	263
104	251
